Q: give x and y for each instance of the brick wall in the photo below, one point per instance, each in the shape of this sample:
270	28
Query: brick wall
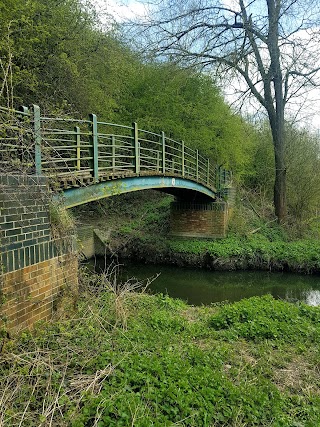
35	267
202	220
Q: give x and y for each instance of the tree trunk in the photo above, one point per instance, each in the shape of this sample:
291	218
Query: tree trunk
276	111
279	195
279	191
276	120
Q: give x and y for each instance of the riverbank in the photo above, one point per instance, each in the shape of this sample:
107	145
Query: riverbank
136	227
233	253
135	359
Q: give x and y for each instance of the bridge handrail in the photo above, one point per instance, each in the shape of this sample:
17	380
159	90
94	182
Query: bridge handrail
61	146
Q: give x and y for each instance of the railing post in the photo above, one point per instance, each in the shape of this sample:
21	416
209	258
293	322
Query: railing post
208	172
197	165
182	157
113	153
163	140
78	148
93	125
37	138
218	173
135	135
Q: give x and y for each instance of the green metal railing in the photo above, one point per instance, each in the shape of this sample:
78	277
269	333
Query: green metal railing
92	151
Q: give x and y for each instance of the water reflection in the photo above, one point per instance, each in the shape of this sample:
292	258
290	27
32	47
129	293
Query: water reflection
312	297
199	287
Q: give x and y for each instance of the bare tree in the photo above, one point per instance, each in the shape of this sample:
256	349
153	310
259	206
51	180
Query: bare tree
270	45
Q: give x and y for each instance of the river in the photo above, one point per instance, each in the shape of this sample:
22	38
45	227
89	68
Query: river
203	287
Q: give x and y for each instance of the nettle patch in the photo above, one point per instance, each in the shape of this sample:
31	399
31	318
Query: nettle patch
261	318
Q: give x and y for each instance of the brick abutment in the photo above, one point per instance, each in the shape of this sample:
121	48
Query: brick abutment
200	220
37	268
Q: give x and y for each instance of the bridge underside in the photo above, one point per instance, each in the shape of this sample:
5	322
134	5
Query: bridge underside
196	212
183	189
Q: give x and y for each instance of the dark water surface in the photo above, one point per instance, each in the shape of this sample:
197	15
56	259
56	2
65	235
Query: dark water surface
199	287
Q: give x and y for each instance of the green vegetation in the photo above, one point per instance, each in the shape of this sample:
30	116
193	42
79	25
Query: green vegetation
256	252
59	55
62	223
135	359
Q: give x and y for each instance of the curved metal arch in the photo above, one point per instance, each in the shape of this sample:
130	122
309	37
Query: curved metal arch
181	187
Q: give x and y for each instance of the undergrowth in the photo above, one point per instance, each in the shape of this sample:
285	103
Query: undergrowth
132	359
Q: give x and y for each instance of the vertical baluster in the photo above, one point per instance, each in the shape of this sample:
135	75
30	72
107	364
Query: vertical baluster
135	134
163	139
113	152
93	125
218	172
208	172
78	148
23	138
37	138
182	158
197	165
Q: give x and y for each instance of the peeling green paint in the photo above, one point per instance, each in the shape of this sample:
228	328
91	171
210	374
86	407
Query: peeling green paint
77	196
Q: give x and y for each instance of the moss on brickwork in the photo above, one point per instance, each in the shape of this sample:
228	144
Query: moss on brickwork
61	220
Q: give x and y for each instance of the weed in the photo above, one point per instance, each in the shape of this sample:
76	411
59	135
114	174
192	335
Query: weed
108	283
230	365
61	220
266	318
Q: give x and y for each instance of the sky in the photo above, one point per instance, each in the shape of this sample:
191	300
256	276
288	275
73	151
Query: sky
308	116
120	10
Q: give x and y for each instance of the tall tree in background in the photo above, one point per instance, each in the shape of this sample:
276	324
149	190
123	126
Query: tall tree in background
270	45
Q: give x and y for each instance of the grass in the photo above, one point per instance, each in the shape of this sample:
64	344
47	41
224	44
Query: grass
132	359
256	251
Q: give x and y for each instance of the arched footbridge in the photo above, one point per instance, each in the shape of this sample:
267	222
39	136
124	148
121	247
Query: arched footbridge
90	159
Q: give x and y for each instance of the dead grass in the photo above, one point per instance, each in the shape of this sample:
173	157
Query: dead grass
298	376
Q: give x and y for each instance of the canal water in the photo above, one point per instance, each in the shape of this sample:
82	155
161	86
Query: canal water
199	287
